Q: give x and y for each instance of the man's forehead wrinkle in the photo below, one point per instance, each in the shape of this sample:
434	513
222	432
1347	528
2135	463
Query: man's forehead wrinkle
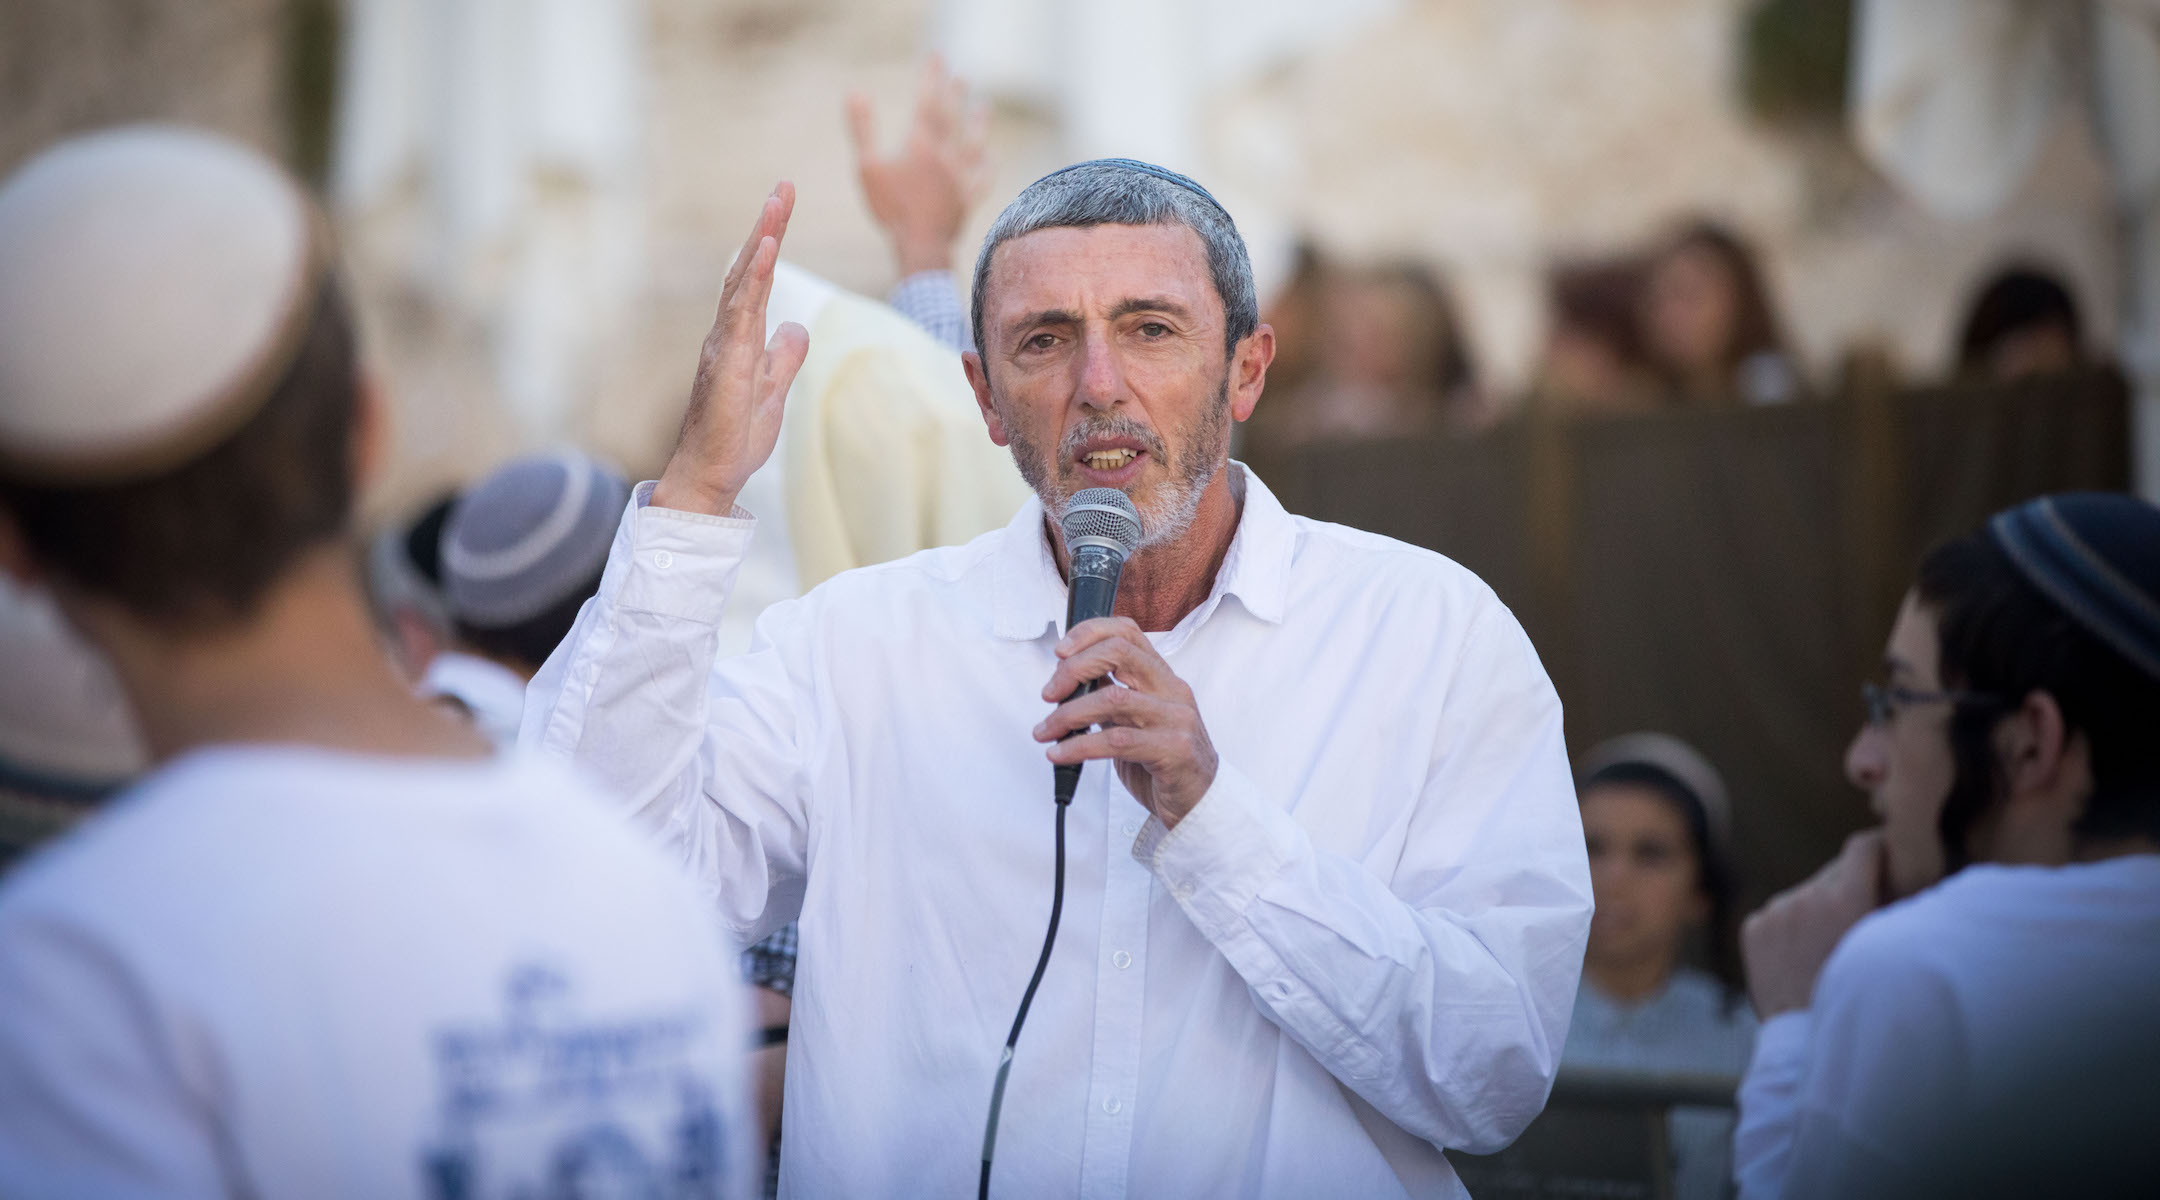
1019	263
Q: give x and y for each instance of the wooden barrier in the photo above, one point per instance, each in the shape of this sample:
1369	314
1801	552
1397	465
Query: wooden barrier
1726	576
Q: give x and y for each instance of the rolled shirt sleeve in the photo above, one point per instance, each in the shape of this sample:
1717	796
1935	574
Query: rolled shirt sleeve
1441	995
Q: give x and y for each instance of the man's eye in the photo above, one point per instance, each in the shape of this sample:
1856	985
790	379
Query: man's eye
1155	329
1042	341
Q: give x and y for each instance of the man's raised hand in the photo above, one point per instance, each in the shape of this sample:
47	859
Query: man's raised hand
742	379
1785	944
921	195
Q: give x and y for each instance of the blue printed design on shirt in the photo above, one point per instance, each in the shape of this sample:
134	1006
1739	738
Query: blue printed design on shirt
548	1104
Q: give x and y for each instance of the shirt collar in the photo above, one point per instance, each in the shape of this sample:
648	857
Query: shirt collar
1030	596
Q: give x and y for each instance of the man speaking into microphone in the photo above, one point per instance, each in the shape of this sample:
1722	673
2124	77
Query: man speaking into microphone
1323	918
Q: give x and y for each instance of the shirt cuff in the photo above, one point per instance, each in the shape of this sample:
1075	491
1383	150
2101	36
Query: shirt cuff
1222	854
1781	1040
675	563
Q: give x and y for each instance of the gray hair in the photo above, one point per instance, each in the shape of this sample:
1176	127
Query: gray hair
1116	191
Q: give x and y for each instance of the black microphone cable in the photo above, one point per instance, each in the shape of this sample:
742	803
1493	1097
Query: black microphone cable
1066	781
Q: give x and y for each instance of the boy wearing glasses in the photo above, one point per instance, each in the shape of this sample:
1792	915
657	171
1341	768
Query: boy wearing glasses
1967	1000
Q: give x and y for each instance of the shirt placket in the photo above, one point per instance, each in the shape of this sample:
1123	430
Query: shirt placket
1120	973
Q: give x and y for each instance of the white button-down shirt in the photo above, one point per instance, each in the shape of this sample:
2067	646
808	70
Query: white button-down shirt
1360	946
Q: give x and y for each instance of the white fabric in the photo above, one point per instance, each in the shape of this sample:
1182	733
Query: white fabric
518	126
1363	942
62	714
1953	99
281	972
493	693
2008	1015
145	273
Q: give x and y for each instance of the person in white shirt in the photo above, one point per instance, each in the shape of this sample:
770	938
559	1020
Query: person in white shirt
1325	916
521	553
331	945
1992	1032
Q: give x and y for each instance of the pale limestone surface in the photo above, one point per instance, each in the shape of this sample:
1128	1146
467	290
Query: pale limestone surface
1486	135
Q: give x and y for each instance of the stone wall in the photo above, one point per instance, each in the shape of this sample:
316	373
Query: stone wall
1486	135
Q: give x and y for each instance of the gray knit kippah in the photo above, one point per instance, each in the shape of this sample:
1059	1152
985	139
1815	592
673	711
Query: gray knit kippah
528	536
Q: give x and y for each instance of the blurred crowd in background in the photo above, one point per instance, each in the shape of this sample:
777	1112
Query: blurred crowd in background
533	248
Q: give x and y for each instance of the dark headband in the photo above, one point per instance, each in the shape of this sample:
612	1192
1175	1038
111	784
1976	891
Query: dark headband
1145	168
2097	556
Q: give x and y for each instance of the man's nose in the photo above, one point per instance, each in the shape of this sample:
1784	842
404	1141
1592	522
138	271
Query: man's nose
1867	760
1102	383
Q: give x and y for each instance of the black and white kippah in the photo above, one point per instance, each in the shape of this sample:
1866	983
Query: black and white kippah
2097	554
528	537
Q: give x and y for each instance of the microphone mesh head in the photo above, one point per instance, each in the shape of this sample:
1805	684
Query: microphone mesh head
1102	513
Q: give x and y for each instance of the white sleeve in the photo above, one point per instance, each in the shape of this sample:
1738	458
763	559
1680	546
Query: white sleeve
704	755
1441	994
92	1102
1769	1096
1841	1102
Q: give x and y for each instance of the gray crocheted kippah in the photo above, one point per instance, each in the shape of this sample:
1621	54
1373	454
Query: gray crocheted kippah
528	536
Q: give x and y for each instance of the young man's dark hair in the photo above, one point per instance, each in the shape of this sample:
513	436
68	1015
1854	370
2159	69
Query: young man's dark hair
197	546
527	644
2003	639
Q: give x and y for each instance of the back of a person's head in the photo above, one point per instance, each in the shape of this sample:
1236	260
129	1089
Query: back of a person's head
525	548
2016	301
2056	596
1598	299
180	378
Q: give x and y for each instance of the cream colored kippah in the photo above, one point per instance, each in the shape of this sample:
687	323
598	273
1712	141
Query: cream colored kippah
155	282
1684	763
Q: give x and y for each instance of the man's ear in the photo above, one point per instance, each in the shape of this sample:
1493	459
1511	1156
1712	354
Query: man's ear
1248	370
2037	756
16	561
978	377
370	433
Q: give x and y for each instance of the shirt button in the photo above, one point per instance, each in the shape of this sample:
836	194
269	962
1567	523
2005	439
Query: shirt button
1131	829
1113	1106
1121	960
1182	891
663	560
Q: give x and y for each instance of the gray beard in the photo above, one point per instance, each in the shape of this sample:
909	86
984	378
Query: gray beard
1170	512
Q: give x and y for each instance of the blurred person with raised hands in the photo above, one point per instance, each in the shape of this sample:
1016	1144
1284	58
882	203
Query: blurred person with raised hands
1962	1002
921	195
1326	915
882	453
330	945
1658	824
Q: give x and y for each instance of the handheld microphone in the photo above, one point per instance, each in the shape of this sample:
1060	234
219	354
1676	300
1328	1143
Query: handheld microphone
1102	528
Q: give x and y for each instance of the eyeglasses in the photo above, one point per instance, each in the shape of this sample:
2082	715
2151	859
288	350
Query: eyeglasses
1884	702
